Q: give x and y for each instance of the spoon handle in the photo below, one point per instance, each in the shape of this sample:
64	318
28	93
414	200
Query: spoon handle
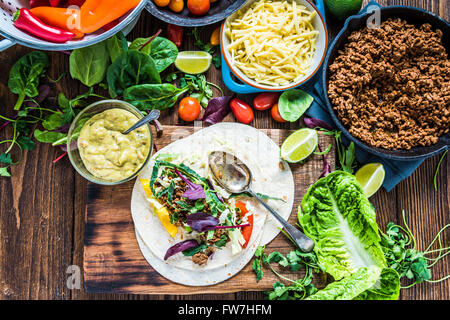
303	242
153	115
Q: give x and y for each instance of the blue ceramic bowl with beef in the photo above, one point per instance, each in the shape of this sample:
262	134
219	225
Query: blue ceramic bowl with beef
414	16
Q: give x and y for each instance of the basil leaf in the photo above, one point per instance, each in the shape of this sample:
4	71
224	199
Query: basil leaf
293	103
89	64
131	68
25	75
153	96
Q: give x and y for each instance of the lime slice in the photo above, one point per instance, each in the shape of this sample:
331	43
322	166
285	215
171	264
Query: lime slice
370	177
193	62
299	145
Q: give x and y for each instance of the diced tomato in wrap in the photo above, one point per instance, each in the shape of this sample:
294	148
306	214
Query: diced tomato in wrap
246	231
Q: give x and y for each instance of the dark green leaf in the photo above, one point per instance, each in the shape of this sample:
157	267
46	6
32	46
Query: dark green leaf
89	64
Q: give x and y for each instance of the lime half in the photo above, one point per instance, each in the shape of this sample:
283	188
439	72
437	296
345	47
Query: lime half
370	177
342	9
299	145
193	62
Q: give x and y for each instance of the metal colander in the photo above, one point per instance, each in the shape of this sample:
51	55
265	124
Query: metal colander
13	36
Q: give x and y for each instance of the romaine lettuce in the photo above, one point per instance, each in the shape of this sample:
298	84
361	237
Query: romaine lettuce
386	288
341	221
349	287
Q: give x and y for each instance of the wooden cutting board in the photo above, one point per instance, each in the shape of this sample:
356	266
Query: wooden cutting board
113	262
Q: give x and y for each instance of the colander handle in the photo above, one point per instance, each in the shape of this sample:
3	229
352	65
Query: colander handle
5	44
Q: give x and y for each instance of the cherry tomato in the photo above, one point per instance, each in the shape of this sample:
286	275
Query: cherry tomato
175	34
276	114
241	110
161	3
176	5
189	109
198	7
265	100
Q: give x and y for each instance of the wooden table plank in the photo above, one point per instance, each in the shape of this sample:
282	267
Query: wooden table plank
51	198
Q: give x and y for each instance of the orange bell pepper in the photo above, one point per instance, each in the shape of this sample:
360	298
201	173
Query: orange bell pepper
97	13
66	19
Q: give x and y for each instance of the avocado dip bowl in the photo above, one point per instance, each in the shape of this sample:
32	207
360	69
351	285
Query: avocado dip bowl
98	149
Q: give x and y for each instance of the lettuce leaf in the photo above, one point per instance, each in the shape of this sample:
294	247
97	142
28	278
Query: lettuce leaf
349	287
337	215
386	288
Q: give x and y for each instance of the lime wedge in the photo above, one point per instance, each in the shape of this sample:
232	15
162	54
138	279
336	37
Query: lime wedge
370	177
193	62
299	145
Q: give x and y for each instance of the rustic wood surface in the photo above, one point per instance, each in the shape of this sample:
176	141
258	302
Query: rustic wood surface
43	205
113	262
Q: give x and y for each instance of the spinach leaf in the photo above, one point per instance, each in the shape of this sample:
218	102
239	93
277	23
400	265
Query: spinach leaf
190	252
131	68
153	96
48	136
89	64
139	42
164	52
293	103
116	45
25	75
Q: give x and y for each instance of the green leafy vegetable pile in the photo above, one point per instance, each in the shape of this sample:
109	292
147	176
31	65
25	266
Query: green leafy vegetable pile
365	263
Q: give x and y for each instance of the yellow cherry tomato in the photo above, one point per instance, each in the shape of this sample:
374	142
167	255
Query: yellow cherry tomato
215	37
176	5
161	3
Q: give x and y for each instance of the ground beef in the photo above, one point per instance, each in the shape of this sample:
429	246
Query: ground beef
202	257
390	86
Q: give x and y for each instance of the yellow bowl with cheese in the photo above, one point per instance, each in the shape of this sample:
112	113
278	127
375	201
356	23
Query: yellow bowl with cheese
98	149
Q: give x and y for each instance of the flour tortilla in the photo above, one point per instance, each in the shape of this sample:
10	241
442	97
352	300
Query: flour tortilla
251	146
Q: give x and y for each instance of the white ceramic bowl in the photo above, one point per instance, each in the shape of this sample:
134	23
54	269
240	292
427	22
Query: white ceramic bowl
319	55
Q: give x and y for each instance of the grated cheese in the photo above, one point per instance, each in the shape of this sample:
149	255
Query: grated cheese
273	41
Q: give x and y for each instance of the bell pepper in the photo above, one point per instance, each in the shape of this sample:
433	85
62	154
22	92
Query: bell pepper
245	231
39	3
66	19
55	3
78	3
97	13
26	21
161	211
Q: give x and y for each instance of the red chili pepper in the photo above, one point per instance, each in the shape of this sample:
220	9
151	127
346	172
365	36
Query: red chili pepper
265	100
175	34
39	3
241	110
245	231
26	21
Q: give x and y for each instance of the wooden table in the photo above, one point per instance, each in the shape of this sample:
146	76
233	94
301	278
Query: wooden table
43	204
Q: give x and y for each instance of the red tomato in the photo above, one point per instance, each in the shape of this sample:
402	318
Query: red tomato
241	110
245	231
265	100
198	7
175	34
189	109
276	114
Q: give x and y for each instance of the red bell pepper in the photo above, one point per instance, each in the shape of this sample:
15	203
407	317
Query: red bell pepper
75	3
111	25
26	21
55	3
39	3
245	231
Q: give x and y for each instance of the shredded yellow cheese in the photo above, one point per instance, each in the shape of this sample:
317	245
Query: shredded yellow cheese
272	42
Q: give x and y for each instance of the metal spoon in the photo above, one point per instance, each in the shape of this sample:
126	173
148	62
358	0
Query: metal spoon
235	177
153	115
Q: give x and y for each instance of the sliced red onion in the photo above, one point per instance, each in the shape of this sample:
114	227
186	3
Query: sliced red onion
314	123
